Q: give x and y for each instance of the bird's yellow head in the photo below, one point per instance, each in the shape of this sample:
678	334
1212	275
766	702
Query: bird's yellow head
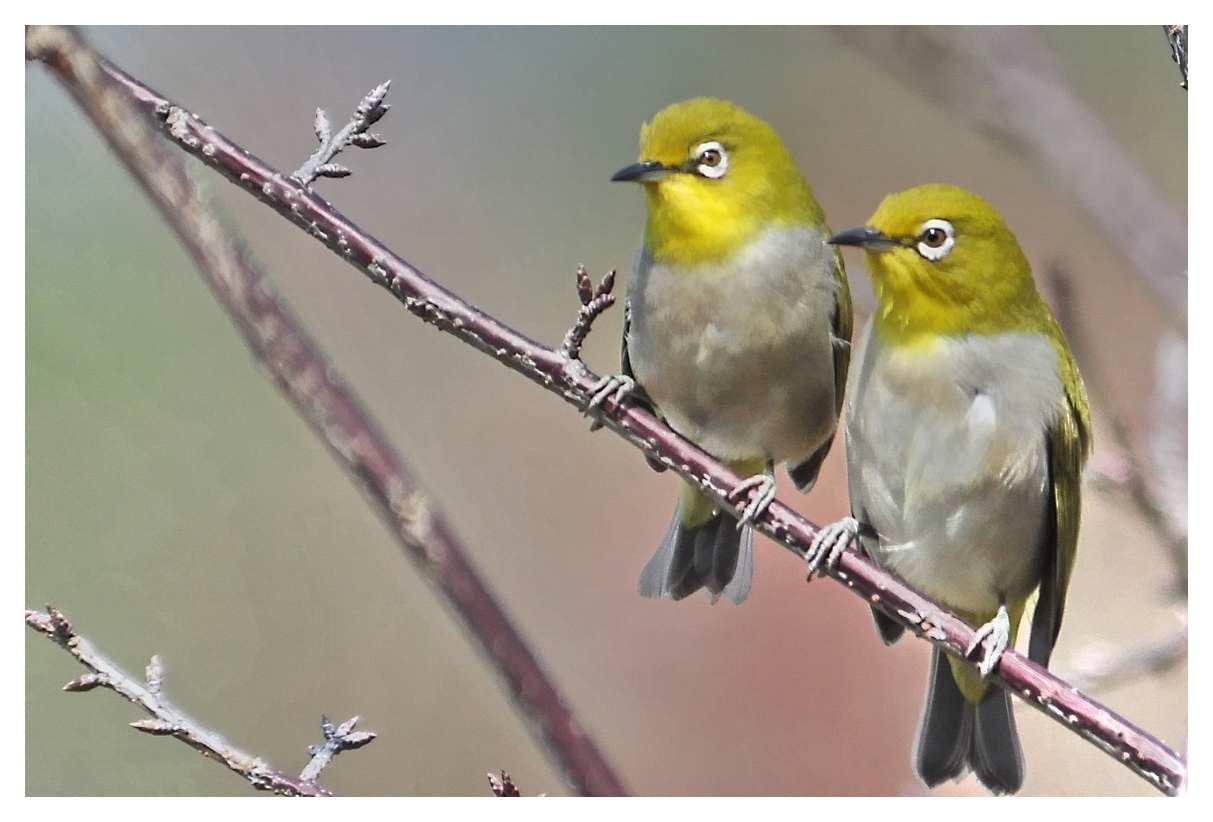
715	177
943	262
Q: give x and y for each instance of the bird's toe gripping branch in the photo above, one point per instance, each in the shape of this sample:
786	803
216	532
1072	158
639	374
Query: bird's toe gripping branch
761	488
829	544
996	636
612	386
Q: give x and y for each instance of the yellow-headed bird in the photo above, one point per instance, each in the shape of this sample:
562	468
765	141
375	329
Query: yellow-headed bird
967	431
737	328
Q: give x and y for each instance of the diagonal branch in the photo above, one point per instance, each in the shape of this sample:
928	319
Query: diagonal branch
167	720
571	380
301	372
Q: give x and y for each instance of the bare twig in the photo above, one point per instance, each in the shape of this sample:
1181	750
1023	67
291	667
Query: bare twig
355	133
503	785
570	379
595	299
1177	36
166	719
307	380
337	738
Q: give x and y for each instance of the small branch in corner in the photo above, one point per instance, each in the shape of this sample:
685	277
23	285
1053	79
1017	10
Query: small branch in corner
503	785
1177	36
167	720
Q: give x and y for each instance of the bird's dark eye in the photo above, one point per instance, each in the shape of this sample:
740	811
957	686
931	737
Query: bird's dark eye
936	239
711	160
933	237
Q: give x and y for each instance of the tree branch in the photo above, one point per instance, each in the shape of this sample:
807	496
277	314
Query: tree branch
570	379
301	372
169	721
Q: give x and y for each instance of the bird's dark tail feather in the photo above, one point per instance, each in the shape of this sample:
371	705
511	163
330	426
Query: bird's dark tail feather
956	735
716	555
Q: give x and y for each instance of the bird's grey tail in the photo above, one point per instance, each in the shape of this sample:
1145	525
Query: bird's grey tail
956	735
716	555
995	755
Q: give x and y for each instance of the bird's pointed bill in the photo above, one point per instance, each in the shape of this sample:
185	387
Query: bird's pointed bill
864	237
641	172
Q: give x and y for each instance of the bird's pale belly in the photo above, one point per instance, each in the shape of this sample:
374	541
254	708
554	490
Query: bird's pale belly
740	401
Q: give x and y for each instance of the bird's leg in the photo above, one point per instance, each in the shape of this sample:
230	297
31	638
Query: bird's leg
829	543
762	487
996	634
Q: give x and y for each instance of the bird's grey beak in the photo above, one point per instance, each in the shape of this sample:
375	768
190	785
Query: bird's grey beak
864	237
641	172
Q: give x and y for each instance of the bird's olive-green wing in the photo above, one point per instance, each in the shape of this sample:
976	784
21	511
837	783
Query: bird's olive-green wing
805	474
1069	442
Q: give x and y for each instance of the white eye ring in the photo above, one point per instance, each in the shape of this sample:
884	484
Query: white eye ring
936	238
711	160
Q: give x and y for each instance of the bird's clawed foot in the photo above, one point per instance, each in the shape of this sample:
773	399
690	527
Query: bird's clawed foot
614	387
996	635
761	488
829	544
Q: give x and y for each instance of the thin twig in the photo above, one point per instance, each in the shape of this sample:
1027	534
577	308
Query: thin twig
570	379
354	133
167	719
595	299
302	373
337	738
503	785
1177	36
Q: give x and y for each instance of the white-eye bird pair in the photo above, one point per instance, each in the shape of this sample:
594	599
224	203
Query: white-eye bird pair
966	426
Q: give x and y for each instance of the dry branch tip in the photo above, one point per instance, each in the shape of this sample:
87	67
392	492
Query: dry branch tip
503	785
595	299
369	111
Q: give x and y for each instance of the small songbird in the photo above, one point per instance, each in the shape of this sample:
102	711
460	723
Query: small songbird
737	327
967	431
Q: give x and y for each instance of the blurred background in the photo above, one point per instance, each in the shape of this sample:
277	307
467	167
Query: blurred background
176	505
